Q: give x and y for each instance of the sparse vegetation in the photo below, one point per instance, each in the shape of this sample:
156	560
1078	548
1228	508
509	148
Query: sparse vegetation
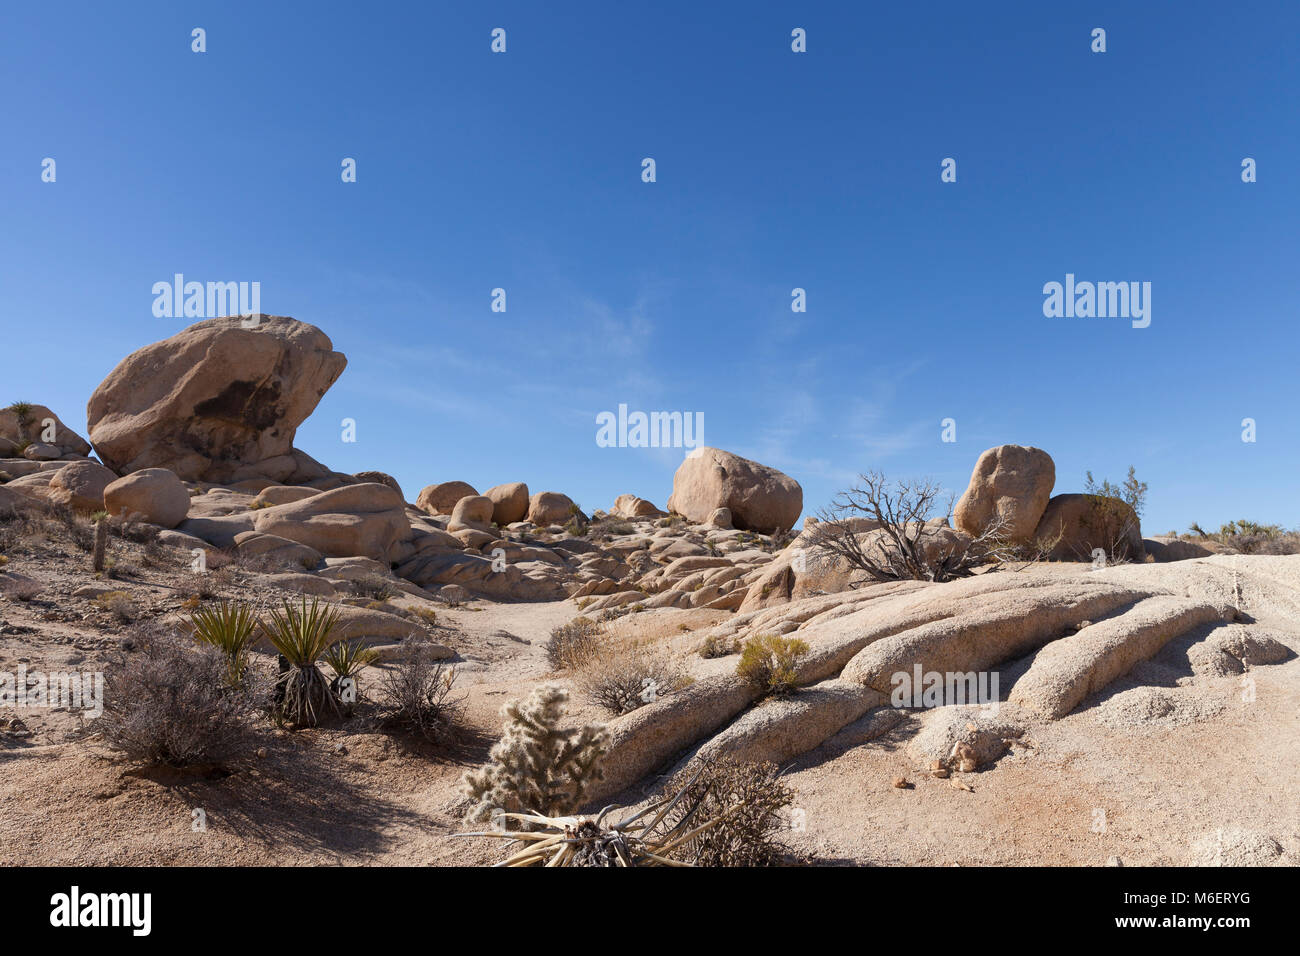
897	540
716	645
119	604
301	634
571	644
769	661
347	659
621	677
536	767
170	702
229	627
421	698
745	803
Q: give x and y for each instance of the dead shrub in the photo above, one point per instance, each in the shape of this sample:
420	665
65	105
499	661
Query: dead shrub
420	696
571	644
751	800
172	702
622	677
119	604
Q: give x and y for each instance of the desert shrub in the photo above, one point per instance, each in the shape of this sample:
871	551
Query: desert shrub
622	677
171	703
902	544
229	627
301	634
119	604
75	527
536	767
420	696
570	644
768	662
716	645
1109	522
749	798
374	586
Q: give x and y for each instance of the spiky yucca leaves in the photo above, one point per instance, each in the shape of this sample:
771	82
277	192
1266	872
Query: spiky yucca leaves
301	634
588	841
347	660
536	767
229	628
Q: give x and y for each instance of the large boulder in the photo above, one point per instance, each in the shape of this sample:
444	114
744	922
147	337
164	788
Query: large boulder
550	507
217	402
24	423
1073	526
509	502
153	495
1010	483
80	485
381	478
759	498
439	499
630	506
367	520
472	513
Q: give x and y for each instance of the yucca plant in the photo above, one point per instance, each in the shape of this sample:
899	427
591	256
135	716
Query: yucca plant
229	627
346	660
302	634
590	841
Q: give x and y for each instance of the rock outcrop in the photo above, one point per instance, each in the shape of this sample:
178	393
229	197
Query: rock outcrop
368	520
29	426
439	499
1010	483
218	401
153	495
509	502
550	507
1076	525
759	498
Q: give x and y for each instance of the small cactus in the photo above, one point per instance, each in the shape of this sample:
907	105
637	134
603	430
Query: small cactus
101	543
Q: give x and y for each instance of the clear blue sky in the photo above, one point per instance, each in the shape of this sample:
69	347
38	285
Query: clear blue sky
775	170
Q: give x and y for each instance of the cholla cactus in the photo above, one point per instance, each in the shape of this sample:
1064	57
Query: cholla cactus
536	767
101	541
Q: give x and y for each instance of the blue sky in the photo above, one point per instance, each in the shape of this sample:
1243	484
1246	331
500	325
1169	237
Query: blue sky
775	170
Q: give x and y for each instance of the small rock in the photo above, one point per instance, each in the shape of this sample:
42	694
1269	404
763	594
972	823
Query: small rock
1114	861
339	748
900	783
261	753
960	785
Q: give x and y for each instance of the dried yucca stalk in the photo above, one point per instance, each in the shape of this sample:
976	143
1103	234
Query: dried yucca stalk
589	841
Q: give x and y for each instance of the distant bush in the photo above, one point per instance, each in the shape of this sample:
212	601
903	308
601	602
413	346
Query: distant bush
119	604
170	702
420	696
571	644
768	662
717	646
622	677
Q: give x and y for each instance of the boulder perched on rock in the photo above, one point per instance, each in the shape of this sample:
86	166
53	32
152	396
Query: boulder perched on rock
219	401
439	499
80	485
509	502
630	506
1073	526
367	520
550	507
759	498
1011	484
25	424
153	495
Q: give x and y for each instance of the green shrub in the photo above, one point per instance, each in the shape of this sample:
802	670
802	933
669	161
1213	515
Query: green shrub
768	662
